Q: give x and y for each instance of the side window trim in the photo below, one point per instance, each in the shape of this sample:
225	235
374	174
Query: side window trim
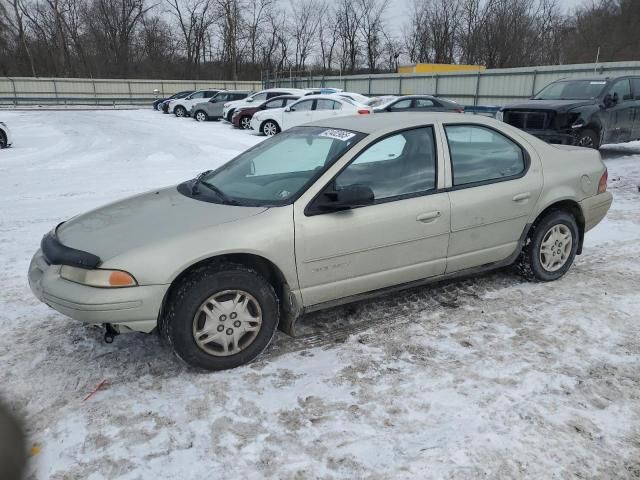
525	156
309	212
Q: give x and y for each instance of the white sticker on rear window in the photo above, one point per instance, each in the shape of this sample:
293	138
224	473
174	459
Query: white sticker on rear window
597	83
343	135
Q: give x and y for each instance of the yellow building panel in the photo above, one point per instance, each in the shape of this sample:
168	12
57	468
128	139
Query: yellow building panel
439	68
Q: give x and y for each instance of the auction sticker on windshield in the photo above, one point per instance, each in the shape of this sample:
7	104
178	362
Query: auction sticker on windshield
343	135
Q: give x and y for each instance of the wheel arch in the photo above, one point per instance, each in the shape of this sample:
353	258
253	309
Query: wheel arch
567	205
288	305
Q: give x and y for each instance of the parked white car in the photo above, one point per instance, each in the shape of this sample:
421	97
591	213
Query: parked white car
305	110
182	106
257	98
5	136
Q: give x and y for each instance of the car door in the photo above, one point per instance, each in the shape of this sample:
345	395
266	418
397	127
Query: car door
216	104
297	114
326	108
495	184
635	86
402	237
620	115
194	98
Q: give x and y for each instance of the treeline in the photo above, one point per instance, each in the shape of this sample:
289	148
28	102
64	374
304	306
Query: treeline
241	39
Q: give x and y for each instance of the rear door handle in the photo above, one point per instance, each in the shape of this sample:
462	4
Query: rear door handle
521	197
428	217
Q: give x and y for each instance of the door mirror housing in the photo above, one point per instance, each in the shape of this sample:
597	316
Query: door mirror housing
610	101
249	99
348	197
288	109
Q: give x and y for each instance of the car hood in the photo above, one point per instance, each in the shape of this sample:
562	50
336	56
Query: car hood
558	105
138	221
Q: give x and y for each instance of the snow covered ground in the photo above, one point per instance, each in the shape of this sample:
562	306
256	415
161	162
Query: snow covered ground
486	378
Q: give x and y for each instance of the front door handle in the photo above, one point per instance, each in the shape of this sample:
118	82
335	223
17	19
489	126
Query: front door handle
428	217
521	197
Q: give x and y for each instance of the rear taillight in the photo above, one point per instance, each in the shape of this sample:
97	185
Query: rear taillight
363	111
602	184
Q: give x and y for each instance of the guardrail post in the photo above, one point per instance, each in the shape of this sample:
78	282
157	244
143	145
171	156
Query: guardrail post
369	85
533	83
322	84
475	97
15	93
435	94
130	94
55	90
95	93
399	85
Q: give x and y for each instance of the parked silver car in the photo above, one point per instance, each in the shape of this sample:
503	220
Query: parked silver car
322	214
212	109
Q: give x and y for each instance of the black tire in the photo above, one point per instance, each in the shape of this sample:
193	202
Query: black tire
180	111
194	290
245	122
529	263
588	138
201	116
269	128
229	115
3	140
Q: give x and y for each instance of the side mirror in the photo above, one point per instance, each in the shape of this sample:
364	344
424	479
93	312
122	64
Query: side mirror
348	197
288	109
249	100
609	101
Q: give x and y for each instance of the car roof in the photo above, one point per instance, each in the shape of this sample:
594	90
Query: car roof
381	122
236	91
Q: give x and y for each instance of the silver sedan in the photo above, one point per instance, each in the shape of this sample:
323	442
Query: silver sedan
323	214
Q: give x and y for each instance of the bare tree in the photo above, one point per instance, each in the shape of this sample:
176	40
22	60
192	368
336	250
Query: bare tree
303	25
372	29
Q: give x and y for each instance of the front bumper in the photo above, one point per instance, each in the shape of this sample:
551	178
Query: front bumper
136	308
595	209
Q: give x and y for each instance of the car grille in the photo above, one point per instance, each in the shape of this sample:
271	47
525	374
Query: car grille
527	120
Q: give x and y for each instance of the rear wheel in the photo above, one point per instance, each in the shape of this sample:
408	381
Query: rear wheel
201	116
229	115
245	122
180	111
551	247
221	317
3	140
588	138
270	128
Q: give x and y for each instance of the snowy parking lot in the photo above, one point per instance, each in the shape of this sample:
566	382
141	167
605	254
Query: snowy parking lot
489	377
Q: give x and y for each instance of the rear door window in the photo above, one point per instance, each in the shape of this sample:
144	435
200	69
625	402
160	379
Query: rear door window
422	103
480	155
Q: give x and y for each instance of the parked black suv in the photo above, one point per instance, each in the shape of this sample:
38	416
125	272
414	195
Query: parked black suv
587	112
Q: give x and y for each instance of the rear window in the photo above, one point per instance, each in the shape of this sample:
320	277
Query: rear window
480	154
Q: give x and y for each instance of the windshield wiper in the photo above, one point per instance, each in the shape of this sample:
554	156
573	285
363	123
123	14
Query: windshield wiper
223	196
197	181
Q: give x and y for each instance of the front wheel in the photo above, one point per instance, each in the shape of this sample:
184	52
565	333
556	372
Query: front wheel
245	122
551	247
270	128
588	138
180	111
201	116
221	317
229	115
3	140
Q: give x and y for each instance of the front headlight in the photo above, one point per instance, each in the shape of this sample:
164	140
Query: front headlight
98	277
500	115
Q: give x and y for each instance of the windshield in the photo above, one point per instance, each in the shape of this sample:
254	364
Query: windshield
275	171
572	90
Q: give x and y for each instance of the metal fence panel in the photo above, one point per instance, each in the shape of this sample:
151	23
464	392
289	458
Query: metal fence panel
26	90
488	87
